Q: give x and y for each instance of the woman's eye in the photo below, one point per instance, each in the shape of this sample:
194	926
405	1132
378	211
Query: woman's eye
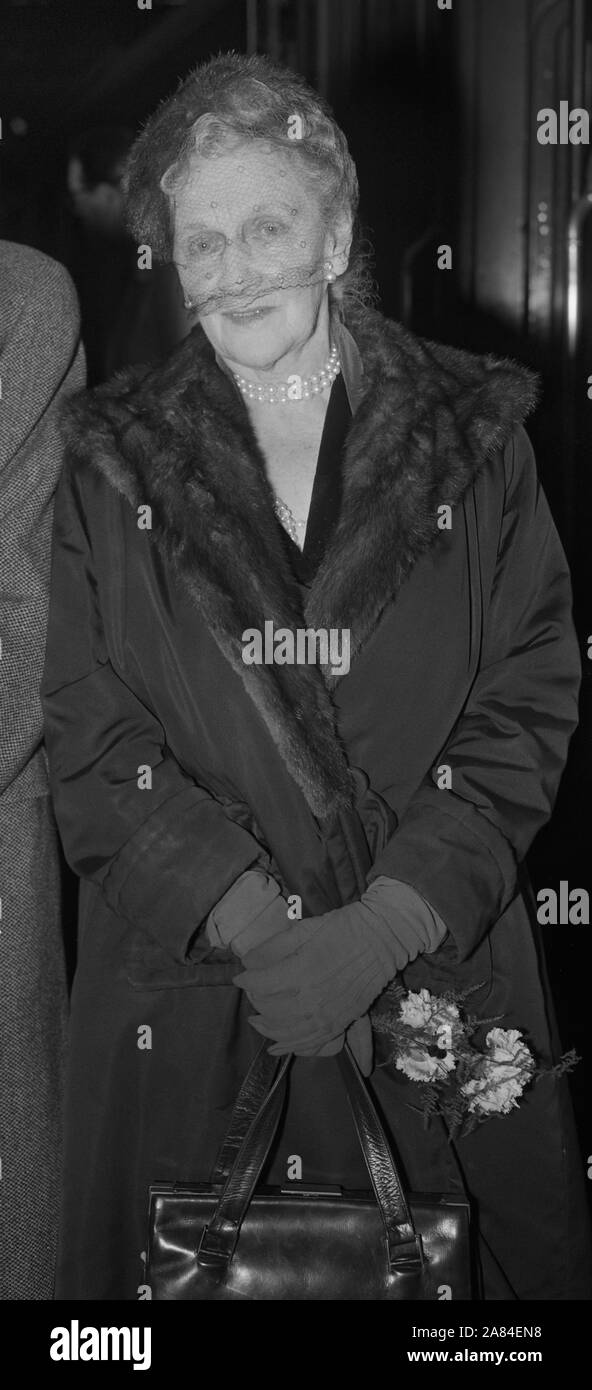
269	229
203	245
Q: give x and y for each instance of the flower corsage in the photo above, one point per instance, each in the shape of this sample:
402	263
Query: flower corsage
461	1077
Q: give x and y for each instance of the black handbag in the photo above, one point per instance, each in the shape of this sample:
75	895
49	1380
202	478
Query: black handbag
231	1240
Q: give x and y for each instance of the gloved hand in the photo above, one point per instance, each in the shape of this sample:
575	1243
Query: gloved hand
309	984
359	1039
252	911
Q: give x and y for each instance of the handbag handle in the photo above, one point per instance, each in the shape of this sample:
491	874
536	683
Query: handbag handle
219	1238
251	1096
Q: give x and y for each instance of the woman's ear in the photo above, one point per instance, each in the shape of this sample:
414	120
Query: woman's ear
339	243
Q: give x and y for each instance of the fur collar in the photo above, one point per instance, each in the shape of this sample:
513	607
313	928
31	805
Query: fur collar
178	437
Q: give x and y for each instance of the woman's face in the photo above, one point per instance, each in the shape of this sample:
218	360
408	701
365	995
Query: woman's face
251	252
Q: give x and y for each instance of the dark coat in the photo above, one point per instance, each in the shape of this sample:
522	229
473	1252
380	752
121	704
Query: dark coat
463	652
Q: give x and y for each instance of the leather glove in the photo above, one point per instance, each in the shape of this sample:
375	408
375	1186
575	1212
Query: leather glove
310	984
253	912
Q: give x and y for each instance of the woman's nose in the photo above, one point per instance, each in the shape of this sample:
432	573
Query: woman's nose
235	265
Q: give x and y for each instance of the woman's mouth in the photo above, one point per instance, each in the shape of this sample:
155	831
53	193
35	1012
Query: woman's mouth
248	316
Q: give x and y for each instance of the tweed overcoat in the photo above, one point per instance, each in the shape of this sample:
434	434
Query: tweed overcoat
41	364
175	766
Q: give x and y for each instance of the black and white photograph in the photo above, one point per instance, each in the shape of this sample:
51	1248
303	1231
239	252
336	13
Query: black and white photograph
296	668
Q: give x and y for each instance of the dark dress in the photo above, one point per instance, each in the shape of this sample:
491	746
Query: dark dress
463	652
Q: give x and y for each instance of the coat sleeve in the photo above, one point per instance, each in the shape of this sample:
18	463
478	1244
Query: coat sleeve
460	848
162	856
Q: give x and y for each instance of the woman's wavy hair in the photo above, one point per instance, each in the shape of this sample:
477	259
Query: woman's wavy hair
235	97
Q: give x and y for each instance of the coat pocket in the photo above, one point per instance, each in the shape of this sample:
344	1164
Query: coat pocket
147	965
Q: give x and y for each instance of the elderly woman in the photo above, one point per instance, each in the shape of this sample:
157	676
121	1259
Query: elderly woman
310	682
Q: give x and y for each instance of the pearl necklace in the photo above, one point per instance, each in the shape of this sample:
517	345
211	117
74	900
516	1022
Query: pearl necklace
278	392
285	514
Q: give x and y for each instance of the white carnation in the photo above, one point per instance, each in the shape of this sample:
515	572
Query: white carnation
425	1010
501	1075
419	1065
506	1045
416	1009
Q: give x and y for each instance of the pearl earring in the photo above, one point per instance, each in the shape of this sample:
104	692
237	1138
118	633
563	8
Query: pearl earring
188	302
331	276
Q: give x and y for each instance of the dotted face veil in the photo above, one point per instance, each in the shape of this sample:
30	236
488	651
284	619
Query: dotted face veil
248	216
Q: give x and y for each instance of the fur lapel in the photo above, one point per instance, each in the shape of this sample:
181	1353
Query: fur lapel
178	438
425	428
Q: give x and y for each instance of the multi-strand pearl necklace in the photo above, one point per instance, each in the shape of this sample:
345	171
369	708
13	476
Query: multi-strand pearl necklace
278	392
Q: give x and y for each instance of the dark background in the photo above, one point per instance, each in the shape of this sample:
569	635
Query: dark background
440	111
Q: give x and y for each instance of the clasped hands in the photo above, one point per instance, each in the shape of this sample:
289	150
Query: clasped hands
312	981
